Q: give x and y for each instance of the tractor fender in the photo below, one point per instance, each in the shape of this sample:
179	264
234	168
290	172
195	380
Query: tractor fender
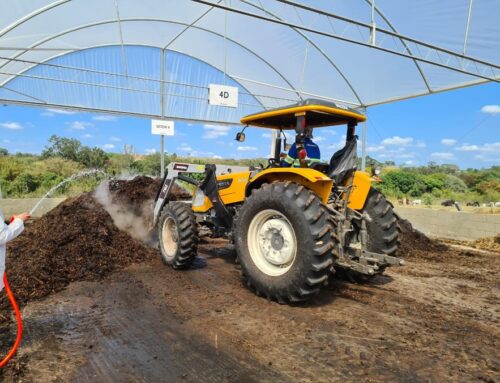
361	184
309	178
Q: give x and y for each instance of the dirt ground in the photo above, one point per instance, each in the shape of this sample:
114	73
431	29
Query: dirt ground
434	320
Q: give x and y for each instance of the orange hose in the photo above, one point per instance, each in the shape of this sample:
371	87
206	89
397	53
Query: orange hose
19	322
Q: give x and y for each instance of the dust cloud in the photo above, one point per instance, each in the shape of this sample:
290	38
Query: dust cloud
133	219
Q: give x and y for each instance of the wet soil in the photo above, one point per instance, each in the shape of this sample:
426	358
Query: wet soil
434	320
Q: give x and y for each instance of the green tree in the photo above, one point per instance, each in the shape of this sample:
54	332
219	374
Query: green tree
67	148
4	152
401	181
92	157
455	184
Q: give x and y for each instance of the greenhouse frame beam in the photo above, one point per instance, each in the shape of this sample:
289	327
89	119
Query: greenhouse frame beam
47	39
332	63
112	112
437	50
32	15
77	69
388	22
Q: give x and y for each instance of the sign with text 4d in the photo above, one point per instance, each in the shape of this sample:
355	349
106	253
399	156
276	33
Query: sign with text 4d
223	95
162	127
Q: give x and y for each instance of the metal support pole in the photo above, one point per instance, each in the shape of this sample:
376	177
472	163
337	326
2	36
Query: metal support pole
373	27
162	156
467	27
162	108
274	134
363	146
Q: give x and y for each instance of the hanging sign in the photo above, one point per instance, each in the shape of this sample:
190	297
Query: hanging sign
162	127
223	95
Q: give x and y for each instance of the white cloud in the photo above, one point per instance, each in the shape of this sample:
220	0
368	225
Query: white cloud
6	141
150	151
185	148
486	152
267	135
87	136
215	156
409	162
247	148
468	148
396	155
494	147
396	140
80	125
319	139
115	139
329	131
375	149
108	146
11	125
486	158
491	109
421	144
448	141
105	117
442	156
51	112
215	131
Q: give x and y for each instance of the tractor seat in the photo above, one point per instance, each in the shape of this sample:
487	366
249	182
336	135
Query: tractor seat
344	162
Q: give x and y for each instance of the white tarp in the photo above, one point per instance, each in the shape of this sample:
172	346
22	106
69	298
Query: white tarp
157	57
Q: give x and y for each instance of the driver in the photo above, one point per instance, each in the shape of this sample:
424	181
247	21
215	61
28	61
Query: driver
313	152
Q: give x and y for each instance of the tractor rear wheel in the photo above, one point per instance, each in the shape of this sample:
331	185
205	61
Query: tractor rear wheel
178	235
382	230
382	233
284	239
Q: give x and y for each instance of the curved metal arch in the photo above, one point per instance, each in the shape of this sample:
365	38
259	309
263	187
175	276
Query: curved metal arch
390	25
98	23
32	15
303	35
44	62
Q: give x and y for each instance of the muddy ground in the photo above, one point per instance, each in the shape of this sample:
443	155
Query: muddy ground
434	320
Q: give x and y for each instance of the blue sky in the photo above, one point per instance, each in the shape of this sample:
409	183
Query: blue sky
460	127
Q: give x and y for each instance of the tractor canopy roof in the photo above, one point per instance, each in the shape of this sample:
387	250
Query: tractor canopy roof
318	113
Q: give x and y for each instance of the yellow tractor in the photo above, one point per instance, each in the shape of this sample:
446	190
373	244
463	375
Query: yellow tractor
291	226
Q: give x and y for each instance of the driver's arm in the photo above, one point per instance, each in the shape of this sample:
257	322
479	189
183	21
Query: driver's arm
290	157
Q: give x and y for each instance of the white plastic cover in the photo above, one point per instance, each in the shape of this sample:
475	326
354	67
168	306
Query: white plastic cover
156	57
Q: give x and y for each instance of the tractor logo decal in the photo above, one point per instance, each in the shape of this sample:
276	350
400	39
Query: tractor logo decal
224	184
181	167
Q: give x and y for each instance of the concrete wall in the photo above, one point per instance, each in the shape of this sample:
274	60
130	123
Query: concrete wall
11	206
451	224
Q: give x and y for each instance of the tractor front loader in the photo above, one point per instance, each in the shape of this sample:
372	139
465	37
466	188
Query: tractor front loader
291	226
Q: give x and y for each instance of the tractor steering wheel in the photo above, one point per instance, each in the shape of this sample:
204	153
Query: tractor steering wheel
272	163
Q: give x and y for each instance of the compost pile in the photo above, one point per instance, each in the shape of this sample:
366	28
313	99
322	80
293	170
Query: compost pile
413	242
141	190
75	241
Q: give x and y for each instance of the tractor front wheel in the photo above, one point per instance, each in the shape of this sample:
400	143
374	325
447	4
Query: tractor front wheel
284	240
178	235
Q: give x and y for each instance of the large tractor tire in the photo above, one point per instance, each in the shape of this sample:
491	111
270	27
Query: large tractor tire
284	239
382	234
178	235
382	230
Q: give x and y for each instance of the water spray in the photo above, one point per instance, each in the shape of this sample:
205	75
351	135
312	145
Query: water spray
69	179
